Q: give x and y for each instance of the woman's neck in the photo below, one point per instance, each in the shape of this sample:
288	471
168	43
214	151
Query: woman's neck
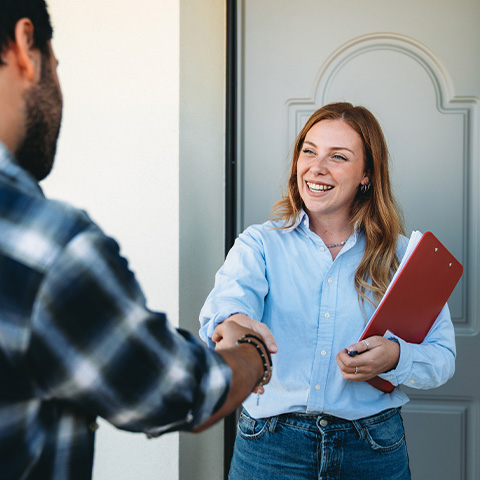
333	231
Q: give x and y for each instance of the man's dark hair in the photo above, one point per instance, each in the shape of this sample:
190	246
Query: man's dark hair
11	11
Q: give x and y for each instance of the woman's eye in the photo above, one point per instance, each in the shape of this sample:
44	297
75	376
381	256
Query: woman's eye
307	151
339	157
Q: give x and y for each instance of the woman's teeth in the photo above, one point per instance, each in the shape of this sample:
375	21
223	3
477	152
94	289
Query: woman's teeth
315	187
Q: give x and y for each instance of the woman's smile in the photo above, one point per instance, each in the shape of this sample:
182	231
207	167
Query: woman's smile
318	187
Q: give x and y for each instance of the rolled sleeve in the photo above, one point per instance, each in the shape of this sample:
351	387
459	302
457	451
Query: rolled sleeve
429	364
240	285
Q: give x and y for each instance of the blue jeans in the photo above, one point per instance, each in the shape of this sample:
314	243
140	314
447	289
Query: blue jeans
302	446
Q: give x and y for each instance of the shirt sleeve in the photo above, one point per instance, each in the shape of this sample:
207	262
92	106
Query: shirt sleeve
95	343
429	364
240	285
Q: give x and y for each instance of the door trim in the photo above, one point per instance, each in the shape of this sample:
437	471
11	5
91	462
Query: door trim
231	204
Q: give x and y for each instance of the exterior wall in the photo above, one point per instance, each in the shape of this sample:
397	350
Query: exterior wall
202	193
118	158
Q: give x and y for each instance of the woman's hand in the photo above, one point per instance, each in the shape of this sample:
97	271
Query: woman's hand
250	369
227	333
375	355
224	339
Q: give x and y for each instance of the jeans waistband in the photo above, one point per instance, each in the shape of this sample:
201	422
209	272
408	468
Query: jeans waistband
325	420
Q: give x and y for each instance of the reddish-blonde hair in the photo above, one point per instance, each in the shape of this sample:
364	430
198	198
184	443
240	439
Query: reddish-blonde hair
375	212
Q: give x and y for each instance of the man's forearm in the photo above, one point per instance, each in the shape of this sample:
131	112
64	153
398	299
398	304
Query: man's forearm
247	370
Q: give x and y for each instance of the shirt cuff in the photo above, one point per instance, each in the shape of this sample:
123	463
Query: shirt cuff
216	385
402	371
207	330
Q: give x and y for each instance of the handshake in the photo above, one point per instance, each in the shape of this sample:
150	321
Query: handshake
246	345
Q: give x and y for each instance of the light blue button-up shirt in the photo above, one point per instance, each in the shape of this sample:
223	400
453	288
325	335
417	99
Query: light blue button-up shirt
288	280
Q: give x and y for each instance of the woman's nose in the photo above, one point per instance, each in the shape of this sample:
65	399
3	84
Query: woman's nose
319	166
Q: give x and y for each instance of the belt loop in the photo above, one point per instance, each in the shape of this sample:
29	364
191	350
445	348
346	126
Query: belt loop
272	424
359	428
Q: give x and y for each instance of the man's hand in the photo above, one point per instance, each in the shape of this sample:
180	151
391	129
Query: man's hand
244	360
227	333
376	355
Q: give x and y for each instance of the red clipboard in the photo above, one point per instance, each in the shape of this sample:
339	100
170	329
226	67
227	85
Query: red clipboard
423	286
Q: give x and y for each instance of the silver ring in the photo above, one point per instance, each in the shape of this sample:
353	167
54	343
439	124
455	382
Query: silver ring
366	343
356	370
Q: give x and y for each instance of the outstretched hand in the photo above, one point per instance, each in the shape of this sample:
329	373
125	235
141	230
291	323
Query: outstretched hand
249	361
227	333
375	355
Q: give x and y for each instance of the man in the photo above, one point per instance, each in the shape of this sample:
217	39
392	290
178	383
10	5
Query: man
76	339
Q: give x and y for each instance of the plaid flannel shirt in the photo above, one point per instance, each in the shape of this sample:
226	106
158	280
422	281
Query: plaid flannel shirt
77	341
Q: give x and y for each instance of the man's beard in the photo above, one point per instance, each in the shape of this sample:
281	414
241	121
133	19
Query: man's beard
43	105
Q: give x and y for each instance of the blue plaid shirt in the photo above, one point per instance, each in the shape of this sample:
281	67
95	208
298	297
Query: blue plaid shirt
77	341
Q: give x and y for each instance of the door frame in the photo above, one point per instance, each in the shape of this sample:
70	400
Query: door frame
231	191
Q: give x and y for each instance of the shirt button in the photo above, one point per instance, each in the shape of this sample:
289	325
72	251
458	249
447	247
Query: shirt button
317	387
412	382
93	427
330	280
327	315
323	422
322	249
323	353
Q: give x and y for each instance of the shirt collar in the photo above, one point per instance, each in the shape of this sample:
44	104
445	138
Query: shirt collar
15	174
302	216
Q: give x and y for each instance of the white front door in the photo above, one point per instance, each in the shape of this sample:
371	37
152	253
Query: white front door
416	66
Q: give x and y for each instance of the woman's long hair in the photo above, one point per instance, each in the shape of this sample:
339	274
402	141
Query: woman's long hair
375	212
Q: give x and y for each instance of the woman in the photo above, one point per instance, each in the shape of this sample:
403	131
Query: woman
314	275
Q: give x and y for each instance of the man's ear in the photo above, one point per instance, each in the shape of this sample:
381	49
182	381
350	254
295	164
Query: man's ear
27	56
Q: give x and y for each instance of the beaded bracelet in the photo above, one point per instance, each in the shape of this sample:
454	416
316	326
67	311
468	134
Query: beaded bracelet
259	339
267	367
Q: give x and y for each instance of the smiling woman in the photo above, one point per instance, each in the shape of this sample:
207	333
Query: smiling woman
330	169
347	136
313	274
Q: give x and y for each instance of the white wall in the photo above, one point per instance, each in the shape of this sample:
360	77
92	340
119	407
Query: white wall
118	157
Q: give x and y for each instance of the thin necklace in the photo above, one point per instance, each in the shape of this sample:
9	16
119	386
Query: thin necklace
337	244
